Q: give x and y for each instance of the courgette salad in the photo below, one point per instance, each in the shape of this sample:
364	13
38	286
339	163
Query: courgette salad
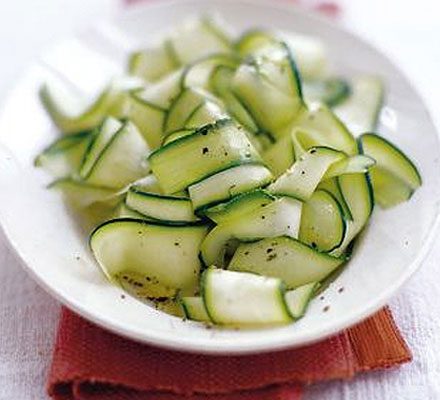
228	178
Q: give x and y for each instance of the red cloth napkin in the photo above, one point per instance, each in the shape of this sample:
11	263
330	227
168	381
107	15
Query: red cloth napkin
90	363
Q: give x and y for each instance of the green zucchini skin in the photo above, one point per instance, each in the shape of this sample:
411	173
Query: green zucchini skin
192	158
286	258
224	185
276	111
280	217
332	186
171	210
174	135
230	172
325	128
194	309
359	197
110	102
309	54
322	218
129	220
238	205
220	81
64	156
175	50
121	160
226	294
395	177
302	178
297	300
164	257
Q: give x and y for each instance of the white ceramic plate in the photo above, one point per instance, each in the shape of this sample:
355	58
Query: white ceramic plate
55	251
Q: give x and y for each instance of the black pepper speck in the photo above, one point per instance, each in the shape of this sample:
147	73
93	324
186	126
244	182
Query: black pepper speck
270	257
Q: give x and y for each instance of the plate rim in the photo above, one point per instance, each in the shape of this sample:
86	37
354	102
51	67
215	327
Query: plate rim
191	345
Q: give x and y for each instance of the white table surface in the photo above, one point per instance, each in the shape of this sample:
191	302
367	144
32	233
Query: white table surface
409	31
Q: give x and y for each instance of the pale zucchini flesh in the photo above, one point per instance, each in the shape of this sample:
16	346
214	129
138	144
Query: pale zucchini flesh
389	156
226	184
360	111
148	117
298	299
153	63
64	157
324	128
210	149
221	80
124	211
395	177
309	52
191	41
102	137
281	217
238	206
162	93
198	38
358	195
71	113
147	183
122	160
182	108
273	74
162	256
322	222
194	309
206	113
280	155
171	209
285	258
81	195
199	73
172	136
253	41
330	91
357	164
301	180
332	186
237	298
389	190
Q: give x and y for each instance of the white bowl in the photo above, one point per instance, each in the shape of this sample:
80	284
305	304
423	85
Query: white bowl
55	252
